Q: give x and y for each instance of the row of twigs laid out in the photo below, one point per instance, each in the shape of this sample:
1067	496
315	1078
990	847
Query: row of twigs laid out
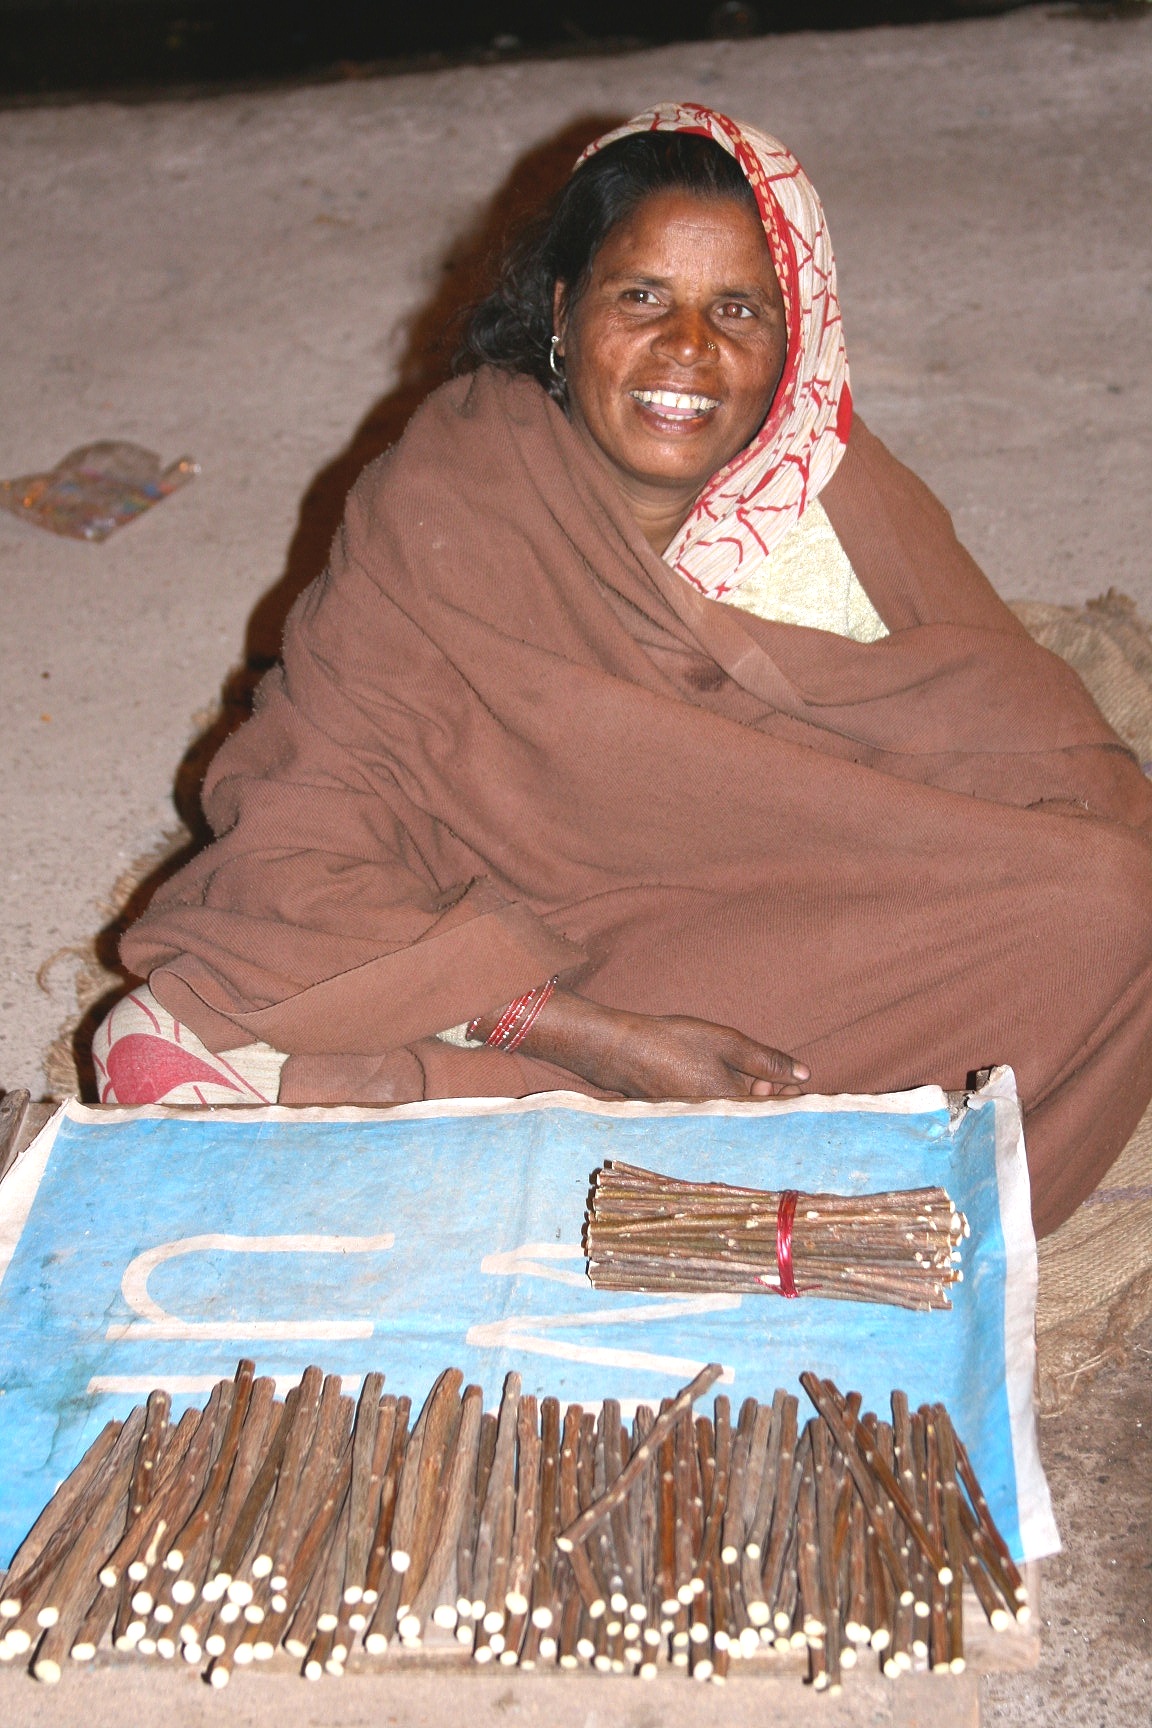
530	1536
648	1232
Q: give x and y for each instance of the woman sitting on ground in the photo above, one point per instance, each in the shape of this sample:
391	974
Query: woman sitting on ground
650	733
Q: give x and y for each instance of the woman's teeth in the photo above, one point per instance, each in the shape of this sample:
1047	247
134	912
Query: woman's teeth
674	402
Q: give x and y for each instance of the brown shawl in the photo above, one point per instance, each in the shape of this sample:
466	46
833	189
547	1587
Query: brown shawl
507	740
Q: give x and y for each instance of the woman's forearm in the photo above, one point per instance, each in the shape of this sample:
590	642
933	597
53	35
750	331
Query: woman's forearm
650	1056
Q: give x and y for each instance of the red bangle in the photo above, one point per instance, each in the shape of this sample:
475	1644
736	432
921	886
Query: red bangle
536	1000
516	1020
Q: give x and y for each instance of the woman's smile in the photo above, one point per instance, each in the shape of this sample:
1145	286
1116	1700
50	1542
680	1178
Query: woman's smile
673	407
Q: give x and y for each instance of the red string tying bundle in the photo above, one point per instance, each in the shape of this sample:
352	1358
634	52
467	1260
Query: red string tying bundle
785	1213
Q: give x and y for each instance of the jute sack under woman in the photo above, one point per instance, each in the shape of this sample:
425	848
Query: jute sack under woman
1096	1270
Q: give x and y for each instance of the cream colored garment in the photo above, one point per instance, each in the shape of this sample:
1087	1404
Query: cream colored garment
807	579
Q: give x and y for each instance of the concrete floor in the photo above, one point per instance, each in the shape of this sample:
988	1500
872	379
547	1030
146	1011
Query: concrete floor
256	279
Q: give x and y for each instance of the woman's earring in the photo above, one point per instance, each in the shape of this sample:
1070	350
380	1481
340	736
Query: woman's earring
556	370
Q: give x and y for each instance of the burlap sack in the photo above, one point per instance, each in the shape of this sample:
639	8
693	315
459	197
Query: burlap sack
1096	1271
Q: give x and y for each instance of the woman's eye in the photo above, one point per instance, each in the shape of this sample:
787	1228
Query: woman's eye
736	309
640	296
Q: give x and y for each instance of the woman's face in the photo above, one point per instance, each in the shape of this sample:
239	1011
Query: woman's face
674	349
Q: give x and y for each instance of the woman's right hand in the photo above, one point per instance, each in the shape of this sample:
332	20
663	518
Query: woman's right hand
657	1056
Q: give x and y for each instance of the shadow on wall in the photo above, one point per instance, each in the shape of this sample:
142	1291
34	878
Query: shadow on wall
432	336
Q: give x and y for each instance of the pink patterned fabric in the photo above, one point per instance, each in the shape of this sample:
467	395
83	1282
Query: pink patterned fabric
750	505
143	1056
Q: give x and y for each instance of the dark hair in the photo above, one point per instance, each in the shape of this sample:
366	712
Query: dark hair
512	327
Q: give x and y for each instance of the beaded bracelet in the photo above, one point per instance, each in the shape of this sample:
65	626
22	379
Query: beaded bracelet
517	1019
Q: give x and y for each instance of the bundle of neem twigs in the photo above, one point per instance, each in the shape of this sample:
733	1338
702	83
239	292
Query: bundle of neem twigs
649	1232
527	1537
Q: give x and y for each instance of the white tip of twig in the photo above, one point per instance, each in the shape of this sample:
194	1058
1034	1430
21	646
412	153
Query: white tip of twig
296	1648
163	1613
848	1656
493	1620
944	1575
263	1650
568	1661
1023	1614
147	1646
729	1554
82	1652
214	1588
408	1626
375	1643
702	1670
483	1653
565	1544
401	1560
881	1638
18	1641
191	1653
548	1648
496	1643
48	1616
253	1614
229	1613
243	1655
313	1670
464	1632
262	1565
278	1603
1000	1619
748	1642
508	1658
183	1592
685	1594
47	1671
166	1648
10	1606
240	1592
444	1615
516	1602
215	1644
353	1594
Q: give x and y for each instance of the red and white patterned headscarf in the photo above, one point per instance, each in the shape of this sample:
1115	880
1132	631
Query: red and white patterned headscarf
749	505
